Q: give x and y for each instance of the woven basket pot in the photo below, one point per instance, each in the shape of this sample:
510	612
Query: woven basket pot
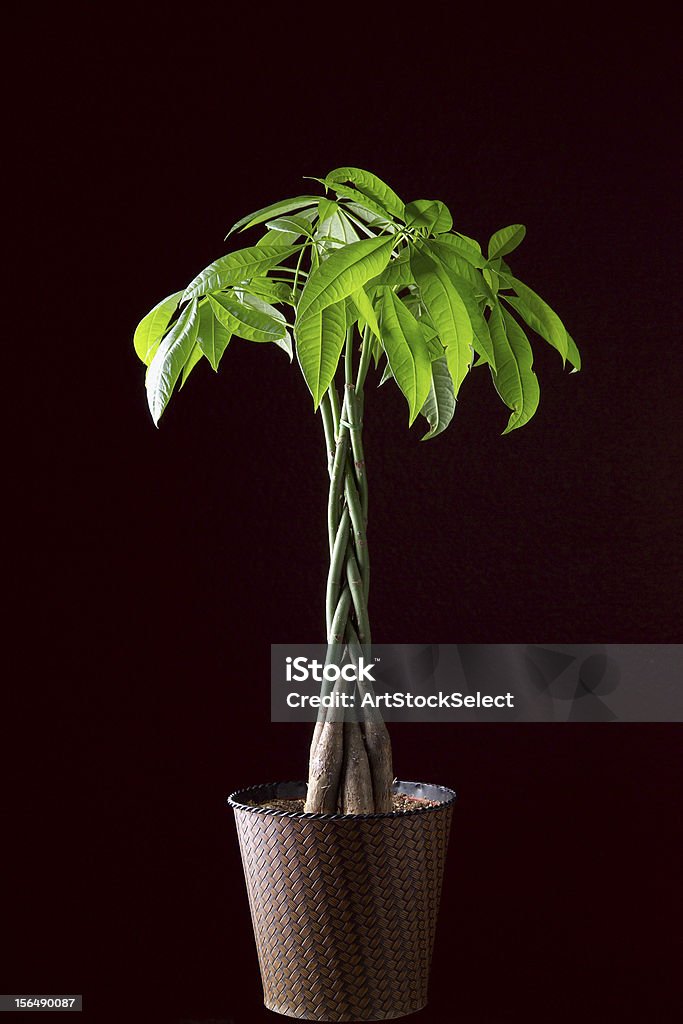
344	906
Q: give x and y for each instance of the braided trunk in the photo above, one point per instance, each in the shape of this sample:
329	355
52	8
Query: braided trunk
350	766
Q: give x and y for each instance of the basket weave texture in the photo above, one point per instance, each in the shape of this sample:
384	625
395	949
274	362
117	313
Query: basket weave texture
344	907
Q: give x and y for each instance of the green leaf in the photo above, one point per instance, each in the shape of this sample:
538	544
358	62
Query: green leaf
274	210
397	273
481	339
457	264
319	341
272	291
292	225
286	345
448	313
376	349
573	354
235	268
257	302
472	241
370	185
538	315
436	349
344	272
364	307
351	313
465	247
283	239
492	280
212	336
386	375
431	214
285	342
514	378
150	330
196	356
366	208
465	286
326	207
246	321
170	358
505	240
336	227
439	405
414	304
371	218
406	350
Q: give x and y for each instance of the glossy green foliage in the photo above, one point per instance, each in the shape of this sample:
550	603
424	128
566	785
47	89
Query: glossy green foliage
447	312
368	185
272	211
169	359
153	326
439	405
319	342
235	268
505	240
358	262
212	336
341	275
407	352
429	214
514	378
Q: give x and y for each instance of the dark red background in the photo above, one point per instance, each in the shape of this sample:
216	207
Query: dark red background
158	566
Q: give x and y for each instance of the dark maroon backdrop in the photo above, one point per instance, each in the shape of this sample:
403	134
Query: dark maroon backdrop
158	566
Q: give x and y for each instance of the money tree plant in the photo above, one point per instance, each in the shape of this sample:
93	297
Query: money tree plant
352	279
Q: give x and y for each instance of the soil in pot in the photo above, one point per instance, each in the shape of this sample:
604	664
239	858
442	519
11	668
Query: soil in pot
401	802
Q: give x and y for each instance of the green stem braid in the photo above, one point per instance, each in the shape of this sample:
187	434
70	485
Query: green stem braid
348	580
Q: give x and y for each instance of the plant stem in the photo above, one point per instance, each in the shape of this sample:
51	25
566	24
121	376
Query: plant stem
337	479
337	561
330	434
350	767
334	406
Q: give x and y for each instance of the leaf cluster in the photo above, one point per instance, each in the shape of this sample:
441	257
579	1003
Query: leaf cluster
421	294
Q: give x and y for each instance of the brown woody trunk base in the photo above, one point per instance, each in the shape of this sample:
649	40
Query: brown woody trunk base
344	907
350	768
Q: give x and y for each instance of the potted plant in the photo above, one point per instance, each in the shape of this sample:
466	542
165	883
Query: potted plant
344	885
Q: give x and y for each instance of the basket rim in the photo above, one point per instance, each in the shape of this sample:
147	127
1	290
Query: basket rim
235	798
